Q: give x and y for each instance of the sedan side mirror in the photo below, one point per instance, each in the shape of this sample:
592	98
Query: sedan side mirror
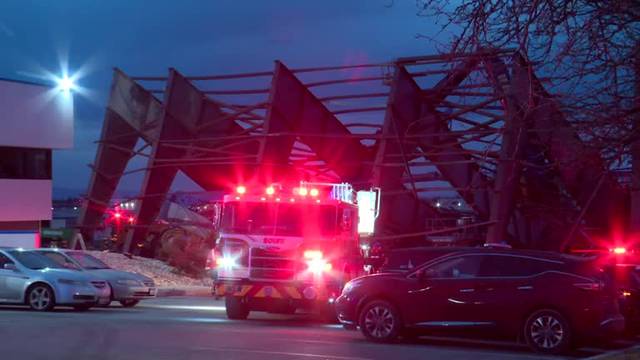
10	266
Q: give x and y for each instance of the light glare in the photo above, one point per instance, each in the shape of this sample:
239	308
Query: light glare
66	84
619	250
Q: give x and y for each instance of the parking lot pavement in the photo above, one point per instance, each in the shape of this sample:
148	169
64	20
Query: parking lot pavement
196	328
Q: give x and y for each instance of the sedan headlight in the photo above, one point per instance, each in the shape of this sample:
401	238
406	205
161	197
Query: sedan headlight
129	282
72	282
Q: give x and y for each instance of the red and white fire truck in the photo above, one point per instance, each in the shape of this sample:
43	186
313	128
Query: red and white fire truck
286	248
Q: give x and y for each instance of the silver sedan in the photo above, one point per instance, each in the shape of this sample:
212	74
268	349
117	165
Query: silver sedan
30	278
127	288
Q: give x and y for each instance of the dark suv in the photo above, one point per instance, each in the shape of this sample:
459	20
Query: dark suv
547	299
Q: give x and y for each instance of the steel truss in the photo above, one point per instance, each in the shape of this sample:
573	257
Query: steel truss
479	126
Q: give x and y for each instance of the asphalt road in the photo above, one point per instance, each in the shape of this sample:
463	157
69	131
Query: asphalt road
196	328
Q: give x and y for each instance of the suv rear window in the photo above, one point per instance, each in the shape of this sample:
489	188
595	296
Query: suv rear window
402	261
514	266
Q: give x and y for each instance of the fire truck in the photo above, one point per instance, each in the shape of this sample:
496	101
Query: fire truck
281	249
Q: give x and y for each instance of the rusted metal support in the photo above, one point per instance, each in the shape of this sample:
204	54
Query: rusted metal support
402	211
634	221
293	108
514	139
456	166
578	166
157	180
132	113
185	111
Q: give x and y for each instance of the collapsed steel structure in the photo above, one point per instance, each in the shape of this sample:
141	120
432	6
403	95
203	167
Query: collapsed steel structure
477	126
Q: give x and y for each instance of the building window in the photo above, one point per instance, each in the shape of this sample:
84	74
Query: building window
24	163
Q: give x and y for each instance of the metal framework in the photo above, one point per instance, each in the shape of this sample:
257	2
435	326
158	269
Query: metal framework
477	126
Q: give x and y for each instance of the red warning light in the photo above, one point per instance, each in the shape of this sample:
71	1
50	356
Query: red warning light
302	192
241	189
314	192
270	190
117	215
618	250
131	219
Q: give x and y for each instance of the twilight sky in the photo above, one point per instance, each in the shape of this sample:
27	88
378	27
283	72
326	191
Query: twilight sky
196	37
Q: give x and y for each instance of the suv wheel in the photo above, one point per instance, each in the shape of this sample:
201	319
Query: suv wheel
40	297
547	331
380	321
236	309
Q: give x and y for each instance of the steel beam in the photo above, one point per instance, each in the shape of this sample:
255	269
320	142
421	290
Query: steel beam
132	113
514	139
186	112
580	167
634	221
294	109
400	212
456	167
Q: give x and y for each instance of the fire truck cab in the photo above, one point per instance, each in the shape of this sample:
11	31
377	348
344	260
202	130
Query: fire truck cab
281	249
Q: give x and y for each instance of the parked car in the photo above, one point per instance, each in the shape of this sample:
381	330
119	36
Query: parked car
548	300
126	287
621	267
32	279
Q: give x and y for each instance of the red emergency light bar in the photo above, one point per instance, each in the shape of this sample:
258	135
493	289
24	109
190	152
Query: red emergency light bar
618	250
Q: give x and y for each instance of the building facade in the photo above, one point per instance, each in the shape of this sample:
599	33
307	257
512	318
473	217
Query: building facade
35	119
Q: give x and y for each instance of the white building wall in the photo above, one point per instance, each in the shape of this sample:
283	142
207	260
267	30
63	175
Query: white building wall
35	116
25	200
25	240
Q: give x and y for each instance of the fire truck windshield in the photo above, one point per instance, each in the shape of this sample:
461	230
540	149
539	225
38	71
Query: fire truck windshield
284	219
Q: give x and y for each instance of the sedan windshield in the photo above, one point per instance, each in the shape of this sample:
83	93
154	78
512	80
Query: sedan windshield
34	260
87	261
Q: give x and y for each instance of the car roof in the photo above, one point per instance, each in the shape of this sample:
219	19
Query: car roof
441	251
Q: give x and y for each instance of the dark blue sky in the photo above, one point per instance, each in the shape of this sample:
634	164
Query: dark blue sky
196	37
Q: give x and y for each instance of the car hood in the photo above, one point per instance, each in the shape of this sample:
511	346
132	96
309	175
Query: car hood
112	274
375	278
384	275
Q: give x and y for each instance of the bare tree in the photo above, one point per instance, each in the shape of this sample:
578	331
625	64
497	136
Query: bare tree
589	49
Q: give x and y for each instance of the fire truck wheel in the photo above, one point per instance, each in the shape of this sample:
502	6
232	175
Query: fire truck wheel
236	309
